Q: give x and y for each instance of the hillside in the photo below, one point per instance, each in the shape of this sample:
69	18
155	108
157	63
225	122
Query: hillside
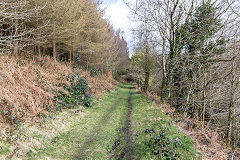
27	86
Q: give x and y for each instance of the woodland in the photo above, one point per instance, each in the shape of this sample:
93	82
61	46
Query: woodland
185	53
62	29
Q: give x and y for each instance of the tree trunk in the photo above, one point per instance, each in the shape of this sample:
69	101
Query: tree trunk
44	51
164	74
146	81
210	97
194	97
15	50
163	88
39	50
70	55
54	51
204	100
230	125
231	118
197	97
15	43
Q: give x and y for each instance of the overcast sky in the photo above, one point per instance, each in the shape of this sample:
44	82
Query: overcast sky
118	14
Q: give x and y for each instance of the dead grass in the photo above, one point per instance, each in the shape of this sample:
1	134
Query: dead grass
25	86
207	140
102	83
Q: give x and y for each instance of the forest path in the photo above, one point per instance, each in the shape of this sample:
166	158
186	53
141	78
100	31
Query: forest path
125	131
92	136
114	128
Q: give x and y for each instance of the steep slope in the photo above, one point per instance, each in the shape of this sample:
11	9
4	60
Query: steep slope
26	86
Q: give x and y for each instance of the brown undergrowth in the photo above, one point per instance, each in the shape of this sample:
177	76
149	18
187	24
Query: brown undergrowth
207	139
26	86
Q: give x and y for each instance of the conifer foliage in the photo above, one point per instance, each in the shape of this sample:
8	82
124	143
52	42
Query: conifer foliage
63	29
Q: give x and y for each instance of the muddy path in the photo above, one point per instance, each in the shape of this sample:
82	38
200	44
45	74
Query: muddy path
126	151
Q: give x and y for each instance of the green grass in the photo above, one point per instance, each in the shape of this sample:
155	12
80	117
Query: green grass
92	133
4	148
91	137
146	115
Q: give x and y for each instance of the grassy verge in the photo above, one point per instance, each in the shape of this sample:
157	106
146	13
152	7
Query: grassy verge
151	128
102	132
92	136
5	148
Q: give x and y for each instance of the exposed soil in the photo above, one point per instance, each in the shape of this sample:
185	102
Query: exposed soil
127	151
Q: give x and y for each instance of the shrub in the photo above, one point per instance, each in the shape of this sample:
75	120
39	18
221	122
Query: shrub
94	72
161	145
7	114
78	92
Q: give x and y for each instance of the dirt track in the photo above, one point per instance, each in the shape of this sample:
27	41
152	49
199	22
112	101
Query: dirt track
128	149
125	136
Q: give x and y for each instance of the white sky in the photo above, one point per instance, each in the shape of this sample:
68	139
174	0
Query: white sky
118	14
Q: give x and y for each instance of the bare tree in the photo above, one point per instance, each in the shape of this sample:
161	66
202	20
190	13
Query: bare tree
14	16
196	44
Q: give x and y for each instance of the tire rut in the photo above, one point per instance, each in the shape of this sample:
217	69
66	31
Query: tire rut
101	125
127	151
